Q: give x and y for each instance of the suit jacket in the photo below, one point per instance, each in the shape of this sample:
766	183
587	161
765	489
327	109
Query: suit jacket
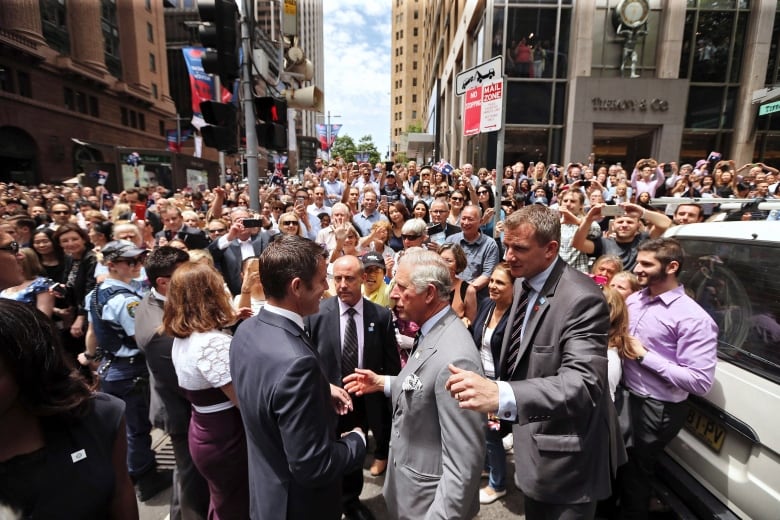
562	439
437	450
168	409
228	260
380	352
296	461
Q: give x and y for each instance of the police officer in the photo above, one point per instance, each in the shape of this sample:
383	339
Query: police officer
123	372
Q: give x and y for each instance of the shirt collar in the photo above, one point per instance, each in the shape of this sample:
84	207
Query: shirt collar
433	320
290	315
158	296
666	297
343	306
537	282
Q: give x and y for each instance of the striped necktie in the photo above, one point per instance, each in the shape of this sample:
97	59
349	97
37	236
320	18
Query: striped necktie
516	333
349	351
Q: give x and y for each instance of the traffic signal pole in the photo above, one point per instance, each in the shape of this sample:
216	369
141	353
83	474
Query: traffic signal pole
249	110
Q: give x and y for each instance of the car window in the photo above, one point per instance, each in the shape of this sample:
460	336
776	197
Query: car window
738	283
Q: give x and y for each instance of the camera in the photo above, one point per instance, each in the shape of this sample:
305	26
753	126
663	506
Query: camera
58	289
586	184
252	222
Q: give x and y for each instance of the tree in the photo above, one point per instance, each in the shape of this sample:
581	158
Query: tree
346	148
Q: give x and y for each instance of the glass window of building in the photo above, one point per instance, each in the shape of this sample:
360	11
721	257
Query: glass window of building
108	22
712	49
54	22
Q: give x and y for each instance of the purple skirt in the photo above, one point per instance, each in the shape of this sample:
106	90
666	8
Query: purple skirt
218	447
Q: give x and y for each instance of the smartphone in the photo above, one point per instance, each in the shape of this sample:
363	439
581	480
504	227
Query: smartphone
58	289
383	199
586	184
252	222
667	168
140	211
613	211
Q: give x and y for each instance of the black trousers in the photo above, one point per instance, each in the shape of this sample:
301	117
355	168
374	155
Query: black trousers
535	510
654	423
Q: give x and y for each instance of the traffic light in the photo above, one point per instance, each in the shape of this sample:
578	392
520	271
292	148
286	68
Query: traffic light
219	34
272	132
222	119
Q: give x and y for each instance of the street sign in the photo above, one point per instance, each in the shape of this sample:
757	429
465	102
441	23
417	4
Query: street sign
483	108
489	70
769	108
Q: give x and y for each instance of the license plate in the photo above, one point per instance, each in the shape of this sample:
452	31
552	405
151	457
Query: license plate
706	429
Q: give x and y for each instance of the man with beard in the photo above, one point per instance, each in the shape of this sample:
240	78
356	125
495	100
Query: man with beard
677	356
628	234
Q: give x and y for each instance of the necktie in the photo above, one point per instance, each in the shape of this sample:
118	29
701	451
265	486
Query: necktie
517	329
416	342
349	352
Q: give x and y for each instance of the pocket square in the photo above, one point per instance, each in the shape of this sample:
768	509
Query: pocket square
412	383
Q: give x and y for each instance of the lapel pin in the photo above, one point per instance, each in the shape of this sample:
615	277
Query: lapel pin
371	327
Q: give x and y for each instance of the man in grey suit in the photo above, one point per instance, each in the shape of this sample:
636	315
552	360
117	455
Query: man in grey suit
553	385
169	409
296	460
240	242
437	450
368	343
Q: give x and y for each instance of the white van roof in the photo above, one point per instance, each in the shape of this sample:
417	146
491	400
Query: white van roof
753	230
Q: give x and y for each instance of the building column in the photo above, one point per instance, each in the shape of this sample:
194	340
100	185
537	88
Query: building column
24	16
670	38
581	51
87	41
755	58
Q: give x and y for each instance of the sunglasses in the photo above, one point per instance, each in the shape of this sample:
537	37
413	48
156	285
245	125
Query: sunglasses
289	223
482	192
221	230
410	237
456	198
60	212
12	247
131	262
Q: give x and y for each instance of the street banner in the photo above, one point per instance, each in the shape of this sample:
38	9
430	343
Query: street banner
174	143
201	84
322	134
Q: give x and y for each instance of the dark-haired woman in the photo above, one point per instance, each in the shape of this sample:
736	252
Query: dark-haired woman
62	447
80	263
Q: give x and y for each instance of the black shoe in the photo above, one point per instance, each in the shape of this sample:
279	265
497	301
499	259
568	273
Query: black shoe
358	511
153	482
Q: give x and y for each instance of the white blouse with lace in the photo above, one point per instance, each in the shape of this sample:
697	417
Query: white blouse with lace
202	360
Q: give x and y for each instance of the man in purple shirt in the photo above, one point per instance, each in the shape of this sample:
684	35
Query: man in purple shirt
677	357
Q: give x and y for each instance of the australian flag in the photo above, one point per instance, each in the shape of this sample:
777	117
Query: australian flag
444	167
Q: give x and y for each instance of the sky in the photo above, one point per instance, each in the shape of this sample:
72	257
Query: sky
357	68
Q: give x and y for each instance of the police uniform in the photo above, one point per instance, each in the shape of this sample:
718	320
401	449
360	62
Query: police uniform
123	372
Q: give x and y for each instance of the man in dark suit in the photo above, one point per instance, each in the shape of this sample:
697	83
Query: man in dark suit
169	409
296	460
553	383
174	227
240	243
440	229
367	342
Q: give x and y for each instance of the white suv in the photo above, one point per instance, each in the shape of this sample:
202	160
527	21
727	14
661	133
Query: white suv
726	460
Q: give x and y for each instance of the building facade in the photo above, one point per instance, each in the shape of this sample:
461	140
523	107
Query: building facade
76	73
407	69
605	80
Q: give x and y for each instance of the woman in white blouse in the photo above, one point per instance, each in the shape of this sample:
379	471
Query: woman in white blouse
196	310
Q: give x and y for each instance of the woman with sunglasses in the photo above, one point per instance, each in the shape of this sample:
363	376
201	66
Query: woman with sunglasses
487	201
457	203
425	194
289	225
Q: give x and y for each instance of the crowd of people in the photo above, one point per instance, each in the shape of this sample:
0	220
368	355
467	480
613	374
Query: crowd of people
359	298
